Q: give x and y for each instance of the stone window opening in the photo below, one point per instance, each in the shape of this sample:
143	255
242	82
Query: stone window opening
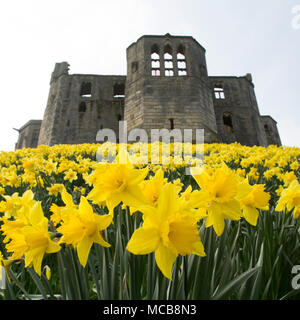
219	92
134	66
227	121
171	124
155	61
168	62
86	89
35	137
119	90
82	107
267	130
181	61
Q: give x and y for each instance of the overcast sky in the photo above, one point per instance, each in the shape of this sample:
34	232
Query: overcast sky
261	37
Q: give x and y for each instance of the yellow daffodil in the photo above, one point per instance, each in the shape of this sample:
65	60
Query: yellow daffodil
55	189
82	227
152	188
252	198
17	206
32	240
290	199
218	197
289	177
167	232
70	175
295	165
118	182
57	211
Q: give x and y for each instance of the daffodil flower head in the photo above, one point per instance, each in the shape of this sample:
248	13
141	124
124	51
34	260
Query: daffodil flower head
32	240
218	197
167	232
152	187
251	199
290	198
118	182
81	227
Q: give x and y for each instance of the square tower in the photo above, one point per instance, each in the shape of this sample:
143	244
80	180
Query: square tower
167	86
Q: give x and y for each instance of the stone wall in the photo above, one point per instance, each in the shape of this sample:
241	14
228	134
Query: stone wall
29	134
80	105
236	110
271	131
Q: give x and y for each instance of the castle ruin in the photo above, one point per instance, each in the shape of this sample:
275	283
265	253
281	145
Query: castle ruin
167	86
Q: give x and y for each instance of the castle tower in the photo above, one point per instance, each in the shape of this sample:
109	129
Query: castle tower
167	86
50	127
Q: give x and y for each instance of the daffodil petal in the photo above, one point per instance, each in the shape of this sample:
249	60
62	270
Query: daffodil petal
165	259
83	250
143	241
198	249
251	215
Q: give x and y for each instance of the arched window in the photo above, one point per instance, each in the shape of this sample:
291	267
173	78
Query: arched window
82	107
181	61
155	61
227	121
86	89
168	61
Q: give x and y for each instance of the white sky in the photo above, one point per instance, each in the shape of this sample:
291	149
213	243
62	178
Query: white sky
258	37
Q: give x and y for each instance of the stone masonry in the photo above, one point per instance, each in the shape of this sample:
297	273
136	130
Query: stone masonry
167	86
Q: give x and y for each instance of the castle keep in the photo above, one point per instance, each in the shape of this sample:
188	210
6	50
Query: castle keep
167	86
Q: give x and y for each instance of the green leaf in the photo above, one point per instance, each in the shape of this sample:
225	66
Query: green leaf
228	289
38	283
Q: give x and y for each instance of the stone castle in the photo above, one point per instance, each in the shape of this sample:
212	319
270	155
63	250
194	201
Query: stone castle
167	86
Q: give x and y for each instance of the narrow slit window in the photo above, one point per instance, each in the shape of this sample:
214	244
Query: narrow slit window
181	61
171	124
219	92
155	61
267	130
82	107
86	89
168	62
35	138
